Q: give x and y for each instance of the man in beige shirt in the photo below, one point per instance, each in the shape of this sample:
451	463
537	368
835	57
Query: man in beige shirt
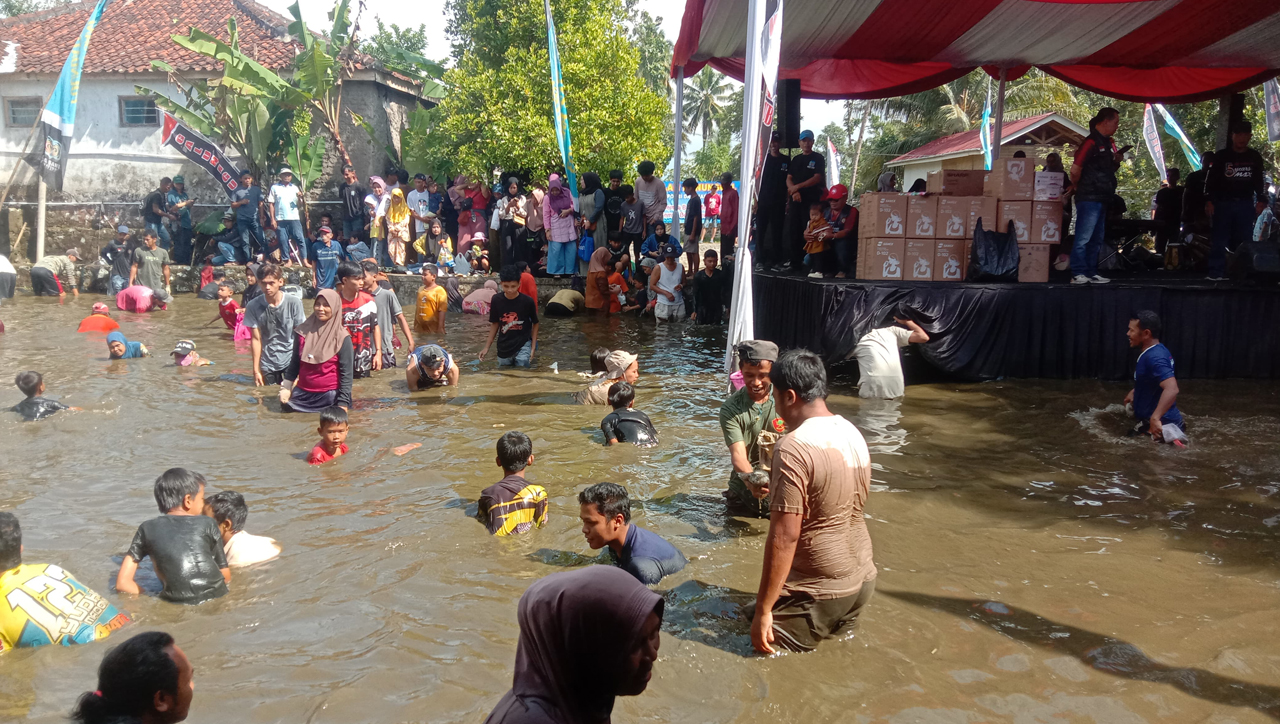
818	573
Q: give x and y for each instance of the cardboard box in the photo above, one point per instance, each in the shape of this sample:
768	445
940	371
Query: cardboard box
917	262
955	182
1019	212
882	214
985	208
1011	179
949	260
953	216
922	217
1033	263
1049	185
1046	222
886	261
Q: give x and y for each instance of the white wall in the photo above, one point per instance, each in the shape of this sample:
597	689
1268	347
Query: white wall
913	171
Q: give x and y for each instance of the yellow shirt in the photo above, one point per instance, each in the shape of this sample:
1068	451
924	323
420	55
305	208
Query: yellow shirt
42	604
432	304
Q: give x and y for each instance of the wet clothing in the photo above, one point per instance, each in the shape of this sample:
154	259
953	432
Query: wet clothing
1155	365
275	325
360	317
800	621
208	291
597	393
429	350
512	506
822	472
46	605
577	628
708	295
631	426
515	319
98	323
320	385
319	455
37	408
245	548
131	349
565	303
428	316
228	310
388	309
187	553
879	365
647	556
758	426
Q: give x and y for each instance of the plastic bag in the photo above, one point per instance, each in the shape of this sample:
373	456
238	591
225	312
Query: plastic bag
586	247
995	255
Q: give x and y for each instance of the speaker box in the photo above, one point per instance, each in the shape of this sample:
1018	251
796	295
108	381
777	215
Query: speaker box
788	112
1254	259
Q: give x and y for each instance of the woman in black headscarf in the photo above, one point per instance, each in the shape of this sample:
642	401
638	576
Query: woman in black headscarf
586	636
511	224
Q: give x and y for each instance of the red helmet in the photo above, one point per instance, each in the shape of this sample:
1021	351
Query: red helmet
839	191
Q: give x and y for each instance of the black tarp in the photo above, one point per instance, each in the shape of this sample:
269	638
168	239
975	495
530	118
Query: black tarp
986	331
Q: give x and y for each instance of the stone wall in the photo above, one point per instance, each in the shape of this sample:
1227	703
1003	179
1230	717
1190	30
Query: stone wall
93	278
407	286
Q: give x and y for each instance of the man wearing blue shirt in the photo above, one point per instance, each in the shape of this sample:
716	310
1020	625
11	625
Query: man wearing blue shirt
605	511
1155	389
325	256
247	201
179	203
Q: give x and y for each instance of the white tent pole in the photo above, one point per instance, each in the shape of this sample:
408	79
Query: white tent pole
675	183
41	195
999	129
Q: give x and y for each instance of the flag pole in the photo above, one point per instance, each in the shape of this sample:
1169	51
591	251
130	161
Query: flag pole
679	151
998	136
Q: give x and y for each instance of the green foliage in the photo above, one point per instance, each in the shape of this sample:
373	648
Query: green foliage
716	156
403	50
12	8
655	50
498	112
706	97
322	66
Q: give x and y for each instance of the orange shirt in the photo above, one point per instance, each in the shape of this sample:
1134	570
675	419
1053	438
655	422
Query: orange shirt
616	279
98	323
529	287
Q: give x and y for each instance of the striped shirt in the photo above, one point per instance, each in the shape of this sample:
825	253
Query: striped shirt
513	505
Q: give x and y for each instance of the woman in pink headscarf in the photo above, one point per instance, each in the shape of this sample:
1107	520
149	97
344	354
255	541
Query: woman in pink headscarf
562	233
471	199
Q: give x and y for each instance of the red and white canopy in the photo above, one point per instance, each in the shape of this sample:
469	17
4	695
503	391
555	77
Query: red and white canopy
1172	51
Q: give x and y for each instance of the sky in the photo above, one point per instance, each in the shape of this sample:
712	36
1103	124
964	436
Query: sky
814	114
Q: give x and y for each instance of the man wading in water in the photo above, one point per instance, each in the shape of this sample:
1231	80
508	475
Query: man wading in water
751	427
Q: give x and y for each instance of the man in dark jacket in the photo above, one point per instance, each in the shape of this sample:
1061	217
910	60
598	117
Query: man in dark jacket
1236	192
1094	176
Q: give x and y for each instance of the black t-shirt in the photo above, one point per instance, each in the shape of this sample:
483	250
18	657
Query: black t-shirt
693	218
1236	176
119	257
773	180
155	198
208	291
804	167
708	296
187	553
352	196
37	408
515	319
1169	204
613	207
629	426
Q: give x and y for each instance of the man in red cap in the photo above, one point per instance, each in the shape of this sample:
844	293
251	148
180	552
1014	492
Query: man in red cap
843	220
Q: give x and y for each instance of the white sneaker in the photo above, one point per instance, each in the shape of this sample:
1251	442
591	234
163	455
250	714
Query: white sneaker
1215	279
1099	279
815	275
1079	279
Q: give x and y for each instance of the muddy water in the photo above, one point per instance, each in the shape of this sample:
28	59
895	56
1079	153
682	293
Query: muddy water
1034	566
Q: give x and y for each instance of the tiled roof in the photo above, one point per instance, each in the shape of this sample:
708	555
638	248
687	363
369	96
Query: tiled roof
135	32
966	141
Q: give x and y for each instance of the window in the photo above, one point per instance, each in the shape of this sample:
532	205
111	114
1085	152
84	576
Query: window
21	112
138	112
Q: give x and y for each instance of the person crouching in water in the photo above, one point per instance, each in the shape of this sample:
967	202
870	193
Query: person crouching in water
1155	388
513	505
625	424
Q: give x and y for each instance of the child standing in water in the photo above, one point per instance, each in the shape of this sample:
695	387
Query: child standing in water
184	545
35	407
625	424
242	548
333	436
513	505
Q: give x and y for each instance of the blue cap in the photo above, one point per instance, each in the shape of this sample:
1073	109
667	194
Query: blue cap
806	134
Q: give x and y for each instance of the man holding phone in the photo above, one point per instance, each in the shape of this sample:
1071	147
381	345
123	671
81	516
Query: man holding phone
1093	175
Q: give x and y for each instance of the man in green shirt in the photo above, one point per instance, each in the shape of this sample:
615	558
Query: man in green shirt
151	267
751	426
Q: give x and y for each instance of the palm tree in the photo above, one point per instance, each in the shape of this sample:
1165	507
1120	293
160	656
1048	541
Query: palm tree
706	98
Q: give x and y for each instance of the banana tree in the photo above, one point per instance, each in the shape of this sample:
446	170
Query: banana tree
305	155
321	67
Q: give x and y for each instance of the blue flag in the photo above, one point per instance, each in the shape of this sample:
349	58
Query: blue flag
58	119
985	133
1173	129
561	113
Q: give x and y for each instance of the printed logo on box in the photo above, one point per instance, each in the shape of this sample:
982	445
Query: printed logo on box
922	269
1017	169
1020	229
951	270
924	226
893	224
955	226
1050	231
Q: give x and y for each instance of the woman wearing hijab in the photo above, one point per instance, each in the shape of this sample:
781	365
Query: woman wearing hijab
118	347
376	204
477	302
536	234
586	637
471	199
513	244
887	182
591	208
430	244
919	187
619	365
319	376
557	214
398	217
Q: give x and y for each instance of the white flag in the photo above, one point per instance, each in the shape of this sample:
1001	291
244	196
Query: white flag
833	164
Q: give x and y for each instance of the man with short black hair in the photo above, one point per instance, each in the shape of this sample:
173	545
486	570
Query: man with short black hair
360	318
728	218
513	505
118	258
390	314
652	193
271	318
155	210
179	205
613	198
818	572
151	268
37	593
605	511
247	201
354	213
419	200
806	179
1237	192
1155	388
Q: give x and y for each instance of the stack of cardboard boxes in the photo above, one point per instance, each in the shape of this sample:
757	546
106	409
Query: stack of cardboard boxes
912	237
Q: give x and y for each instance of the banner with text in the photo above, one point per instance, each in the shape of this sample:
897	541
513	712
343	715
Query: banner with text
202	152
1152	137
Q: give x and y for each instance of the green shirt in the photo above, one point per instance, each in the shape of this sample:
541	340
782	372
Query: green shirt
150	263
742	420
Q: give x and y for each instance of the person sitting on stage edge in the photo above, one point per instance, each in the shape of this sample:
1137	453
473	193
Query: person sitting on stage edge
879	366
818	572
605	511
1155	389
750	425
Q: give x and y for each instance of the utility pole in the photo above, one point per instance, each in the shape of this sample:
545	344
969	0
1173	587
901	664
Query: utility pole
857	154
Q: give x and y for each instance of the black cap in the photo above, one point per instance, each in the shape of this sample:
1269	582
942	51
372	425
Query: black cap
419	177
755	351
669	251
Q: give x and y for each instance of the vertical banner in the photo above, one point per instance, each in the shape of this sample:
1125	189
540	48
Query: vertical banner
561	112
1173	129
1271	92
764	41
984	134
58	119
1152	137
833	164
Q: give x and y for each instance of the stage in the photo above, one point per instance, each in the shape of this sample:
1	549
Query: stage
987	331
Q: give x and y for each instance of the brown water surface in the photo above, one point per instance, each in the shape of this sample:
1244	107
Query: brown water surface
1034	566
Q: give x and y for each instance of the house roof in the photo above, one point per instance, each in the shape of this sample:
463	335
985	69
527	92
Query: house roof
134	32
967	142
